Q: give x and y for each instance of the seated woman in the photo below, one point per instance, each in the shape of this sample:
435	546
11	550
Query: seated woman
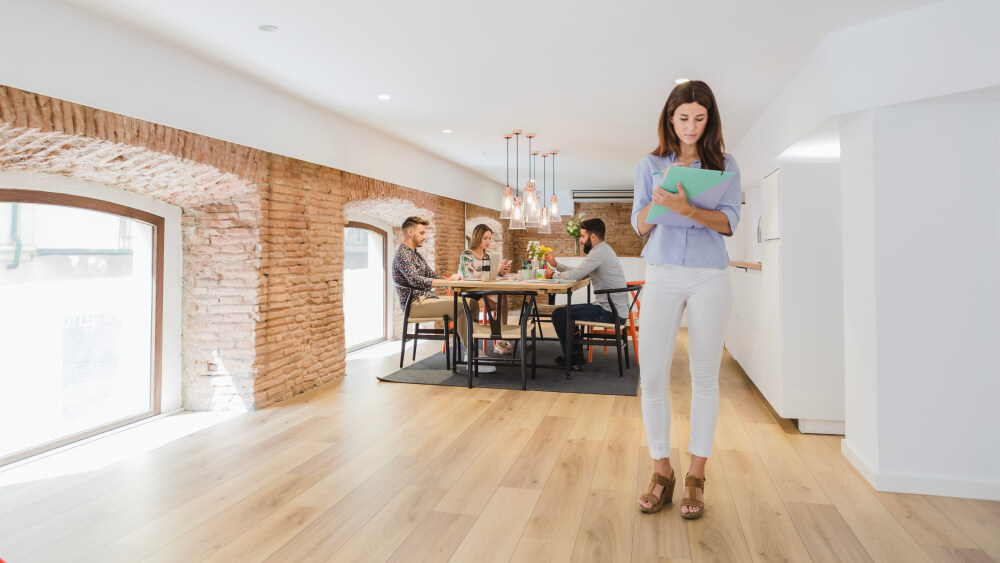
470	264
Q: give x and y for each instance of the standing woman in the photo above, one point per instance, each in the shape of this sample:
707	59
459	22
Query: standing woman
470	264
686	267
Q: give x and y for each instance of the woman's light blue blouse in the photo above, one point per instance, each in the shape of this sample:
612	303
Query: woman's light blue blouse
685	246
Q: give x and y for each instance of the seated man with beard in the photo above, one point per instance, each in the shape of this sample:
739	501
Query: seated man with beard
605	271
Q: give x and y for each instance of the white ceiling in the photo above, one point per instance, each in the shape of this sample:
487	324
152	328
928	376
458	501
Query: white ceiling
589	78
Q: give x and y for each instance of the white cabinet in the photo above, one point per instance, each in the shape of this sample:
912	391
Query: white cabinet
787	322
743	330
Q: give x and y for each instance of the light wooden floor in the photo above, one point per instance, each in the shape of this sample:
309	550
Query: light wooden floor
368	471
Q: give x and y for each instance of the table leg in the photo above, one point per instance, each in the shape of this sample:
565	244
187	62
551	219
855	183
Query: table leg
456	342
569	332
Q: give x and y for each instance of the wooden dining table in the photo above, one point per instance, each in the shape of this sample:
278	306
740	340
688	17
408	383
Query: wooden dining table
543	286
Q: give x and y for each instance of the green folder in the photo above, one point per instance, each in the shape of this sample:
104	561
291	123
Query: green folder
698	184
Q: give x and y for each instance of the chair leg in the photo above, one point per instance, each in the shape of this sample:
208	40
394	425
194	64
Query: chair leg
635	344
618	340
524	373
447	352
402	352
474	357
534	353
468	364
416	339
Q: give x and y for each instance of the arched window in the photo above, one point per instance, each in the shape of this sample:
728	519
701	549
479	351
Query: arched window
365	285
81	295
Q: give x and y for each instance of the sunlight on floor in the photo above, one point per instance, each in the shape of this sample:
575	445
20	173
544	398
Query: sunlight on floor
112	447
383	359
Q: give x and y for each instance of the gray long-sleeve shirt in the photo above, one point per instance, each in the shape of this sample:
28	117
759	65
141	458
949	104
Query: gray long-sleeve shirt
605	271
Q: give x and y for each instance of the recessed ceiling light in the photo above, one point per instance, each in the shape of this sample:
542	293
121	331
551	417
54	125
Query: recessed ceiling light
267	27
682	80
384	97
446	130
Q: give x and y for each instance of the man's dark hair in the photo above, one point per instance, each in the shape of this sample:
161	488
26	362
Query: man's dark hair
411	222
594	226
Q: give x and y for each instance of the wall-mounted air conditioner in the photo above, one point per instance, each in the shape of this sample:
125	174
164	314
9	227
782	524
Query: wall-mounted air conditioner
603	196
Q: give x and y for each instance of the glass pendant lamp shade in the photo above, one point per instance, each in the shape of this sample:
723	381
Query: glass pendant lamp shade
543	222
554	201
508	200
530	206
516	215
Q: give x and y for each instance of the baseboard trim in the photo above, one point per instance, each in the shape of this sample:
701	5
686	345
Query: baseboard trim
981	489
866	469
815	426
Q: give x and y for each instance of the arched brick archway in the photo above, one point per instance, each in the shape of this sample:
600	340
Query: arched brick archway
392	212
221	220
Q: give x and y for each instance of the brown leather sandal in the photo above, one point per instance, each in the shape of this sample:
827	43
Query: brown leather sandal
698	483
666	496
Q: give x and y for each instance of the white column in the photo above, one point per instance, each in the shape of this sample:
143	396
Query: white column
921	207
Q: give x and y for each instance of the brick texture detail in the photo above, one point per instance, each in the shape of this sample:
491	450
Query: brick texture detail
300	336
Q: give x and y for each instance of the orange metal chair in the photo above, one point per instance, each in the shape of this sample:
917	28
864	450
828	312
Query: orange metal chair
632	328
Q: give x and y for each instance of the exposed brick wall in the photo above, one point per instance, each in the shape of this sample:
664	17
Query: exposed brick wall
221	295
617	218
262	239
300	338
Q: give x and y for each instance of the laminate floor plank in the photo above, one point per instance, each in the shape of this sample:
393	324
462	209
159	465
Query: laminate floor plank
930	528
435	539
535	463
794	481
379	538
494	536
768	529
825	533
606	529
975	519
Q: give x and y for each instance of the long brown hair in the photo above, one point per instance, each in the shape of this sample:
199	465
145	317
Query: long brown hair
477	235
711	147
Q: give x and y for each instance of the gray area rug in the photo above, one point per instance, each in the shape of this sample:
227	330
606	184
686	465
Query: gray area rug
598	378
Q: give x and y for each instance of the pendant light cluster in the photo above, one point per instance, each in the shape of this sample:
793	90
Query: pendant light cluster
527	209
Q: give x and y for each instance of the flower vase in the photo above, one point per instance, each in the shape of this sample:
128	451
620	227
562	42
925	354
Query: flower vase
576	246
534	268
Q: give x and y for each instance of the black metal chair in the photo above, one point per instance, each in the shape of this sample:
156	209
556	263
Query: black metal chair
420	333
613	333
494	330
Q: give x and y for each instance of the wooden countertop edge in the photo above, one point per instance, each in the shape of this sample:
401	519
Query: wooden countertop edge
747	265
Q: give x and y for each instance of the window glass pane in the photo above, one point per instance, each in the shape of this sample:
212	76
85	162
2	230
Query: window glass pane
364	287
76	332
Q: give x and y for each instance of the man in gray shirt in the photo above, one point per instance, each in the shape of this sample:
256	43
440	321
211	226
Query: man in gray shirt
605	272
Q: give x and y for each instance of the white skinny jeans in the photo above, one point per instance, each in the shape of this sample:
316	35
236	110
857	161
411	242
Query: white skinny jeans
708	296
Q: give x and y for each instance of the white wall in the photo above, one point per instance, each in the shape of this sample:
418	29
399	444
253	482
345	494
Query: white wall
940	49
82	58
170	397
860	322
934	204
